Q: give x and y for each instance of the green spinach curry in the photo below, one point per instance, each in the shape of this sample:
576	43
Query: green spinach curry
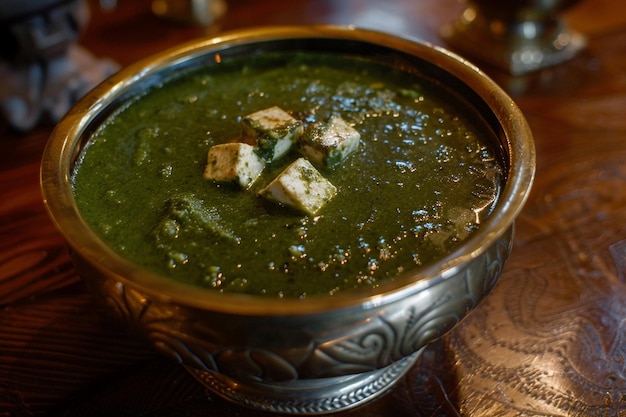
423	178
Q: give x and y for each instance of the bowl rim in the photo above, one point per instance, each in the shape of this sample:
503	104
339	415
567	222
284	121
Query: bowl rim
61	150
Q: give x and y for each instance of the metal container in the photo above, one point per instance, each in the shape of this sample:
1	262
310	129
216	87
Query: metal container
321	354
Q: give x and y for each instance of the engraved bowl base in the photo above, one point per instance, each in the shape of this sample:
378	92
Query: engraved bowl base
307	396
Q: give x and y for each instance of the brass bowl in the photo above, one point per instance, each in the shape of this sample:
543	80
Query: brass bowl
320	354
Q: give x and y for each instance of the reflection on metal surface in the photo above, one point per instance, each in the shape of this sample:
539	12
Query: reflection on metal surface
618	250
519	36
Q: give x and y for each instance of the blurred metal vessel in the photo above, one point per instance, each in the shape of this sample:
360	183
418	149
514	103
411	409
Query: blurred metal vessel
518	36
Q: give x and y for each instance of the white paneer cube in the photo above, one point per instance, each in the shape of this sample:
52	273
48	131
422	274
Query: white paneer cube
329	143
273	131
300	186
233	162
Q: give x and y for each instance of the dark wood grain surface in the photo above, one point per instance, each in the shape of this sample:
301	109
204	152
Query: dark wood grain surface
549	341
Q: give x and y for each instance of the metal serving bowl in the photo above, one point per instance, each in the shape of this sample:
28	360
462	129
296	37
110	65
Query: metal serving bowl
320	354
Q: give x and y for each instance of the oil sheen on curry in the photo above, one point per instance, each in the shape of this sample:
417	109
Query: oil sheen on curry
288	175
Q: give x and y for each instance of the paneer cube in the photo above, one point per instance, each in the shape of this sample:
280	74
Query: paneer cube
329	143
301	187
233	162
273	131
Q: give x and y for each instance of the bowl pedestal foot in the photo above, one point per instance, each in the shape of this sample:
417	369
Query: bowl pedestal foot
308	396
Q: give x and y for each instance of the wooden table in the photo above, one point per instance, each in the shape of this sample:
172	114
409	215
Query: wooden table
549	341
